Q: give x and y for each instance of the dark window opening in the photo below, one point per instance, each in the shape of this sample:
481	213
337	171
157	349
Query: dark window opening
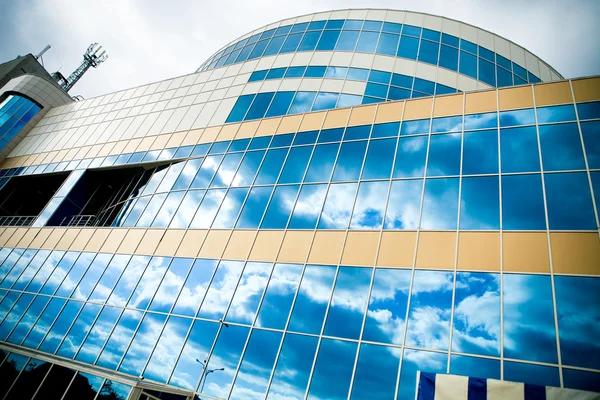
99	196
23	198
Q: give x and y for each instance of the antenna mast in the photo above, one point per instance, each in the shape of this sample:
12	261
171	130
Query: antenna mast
91	58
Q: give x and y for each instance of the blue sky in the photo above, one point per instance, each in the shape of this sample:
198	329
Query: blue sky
152	40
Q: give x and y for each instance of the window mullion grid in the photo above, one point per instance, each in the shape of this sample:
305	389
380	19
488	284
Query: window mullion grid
412	278
548	241
462	139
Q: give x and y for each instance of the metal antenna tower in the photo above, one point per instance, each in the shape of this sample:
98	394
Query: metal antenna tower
91	58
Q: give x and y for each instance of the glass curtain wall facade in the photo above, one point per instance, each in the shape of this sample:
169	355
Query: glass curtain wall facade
330	253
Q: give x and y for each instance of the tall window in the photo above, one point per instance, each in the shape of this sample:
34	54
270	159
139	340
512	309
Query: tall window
15	112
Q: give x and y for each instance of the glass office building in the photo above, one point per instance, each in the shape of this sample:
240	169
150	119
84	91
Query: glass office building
328	205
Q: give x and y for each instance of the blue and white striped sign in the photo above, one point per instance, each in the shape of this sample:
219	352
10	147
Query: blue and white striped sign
455	387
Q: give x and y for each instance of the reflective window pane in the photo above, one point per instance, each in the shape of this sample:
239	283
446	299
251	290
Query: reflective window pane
280	207
480	203
254	207
248	293
474	366
79	330
416	360
576	303
348	303
480	152
561	147
333	370
519	150
256	366
312	300
98	334
167	349
230	208
444	155
148	284
440	204
430	306
119	339
171	285
569	201
61	326
376	372
277	302
410	158
129	280
221	290
142	344
322	163
591	140
404	205
531	373
380	157
338	206
370	205
522	202
387	306
292	371
477	314
349	161
308	207
529	332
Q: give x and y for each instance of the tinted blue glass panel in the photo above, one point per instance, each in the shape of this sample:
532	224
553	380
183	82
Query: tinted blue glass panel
408	47
296	163
475	367
254	207
259	106
315	72
415	127
274	46
248	168
148	284
226	354
240	108
358	74
295	72
588	110
522	202
308	207
480	152
555	114
518	117
276	73
519	150
357	132
195	287
221	290
591	140
367	42
440	204
328	40
380	158
404	204
331	135
187	371
343	320
380	77
487	72
449	58
446	124
271	166
255	368
385	130
416	360
388	44
532	374
200	149
338	206
505	78
398	94
79	330
576	298
333	370
430	305
282	140
376	90
444	155
280	207
347	40
387	306
529	332
477	314
336	72
349	161
376	372
187	209
480	203
277	302
309	41
61	326
410	158
581	380
29	318
252	284
297	354
428	52
468	64
481	121
258	75
569	201
325	101
322	162
302	102
260	143
311	304
291	43
369	208
561	147
41	327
